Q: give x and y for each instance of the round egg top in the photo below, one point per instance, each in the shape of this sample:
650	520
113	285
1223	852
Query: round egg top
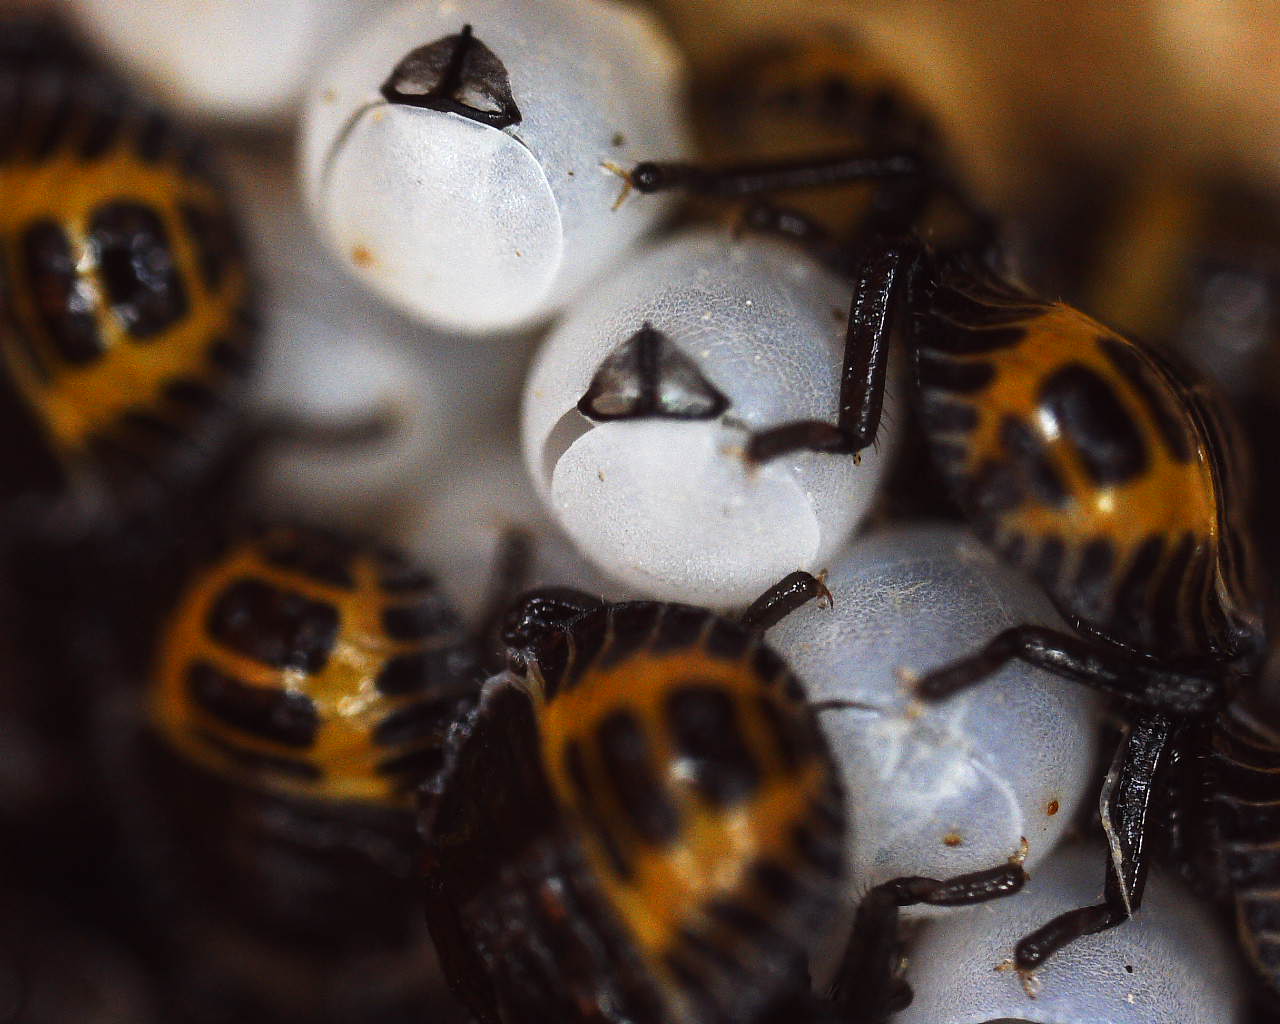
457	155
939	790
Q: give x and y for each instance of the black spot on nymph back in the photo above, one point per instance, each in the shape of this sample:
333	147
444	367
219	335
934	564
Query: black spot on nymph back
1092	418
429	617
278	627
64	303
703	720
263	712
588	806
316	554
1027	455
964	377
139	268
639	787
1095	575
1132	609
1154	393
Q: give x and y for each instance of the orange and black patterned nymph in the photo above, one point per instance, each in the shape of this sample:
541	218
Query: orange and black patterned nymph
1095	463
641	823
123	297
313	666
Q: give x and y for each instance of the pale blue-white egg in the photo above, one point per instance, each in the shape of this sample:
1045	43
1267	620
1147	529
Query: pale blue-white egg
1171	962
359	407
671	506
949	788
494	203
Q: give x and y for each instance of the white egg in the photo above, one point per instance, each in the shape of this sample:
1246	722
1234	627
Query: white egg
468	224
234	60
359	405
672	507
945	789
1172	962
457	528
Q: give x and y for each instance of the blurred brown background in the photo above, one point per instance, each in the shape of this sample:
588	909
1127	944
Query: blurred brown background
1014	83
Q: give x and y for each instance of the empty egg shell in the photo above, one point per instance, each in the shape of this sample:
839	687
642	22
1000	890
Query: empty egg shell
491	208
457	527
939	790
358	402
670	506
235	60
1171	962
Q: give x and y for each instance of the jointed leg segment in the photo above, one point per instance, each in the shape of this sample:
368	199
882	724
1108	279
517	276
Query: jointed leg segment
1118	675
782	599
867	987
879	292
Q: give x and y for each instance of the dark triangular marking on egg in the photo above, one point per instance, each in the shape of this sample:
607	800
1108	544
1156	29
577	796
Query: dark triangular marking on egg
648	377
456	75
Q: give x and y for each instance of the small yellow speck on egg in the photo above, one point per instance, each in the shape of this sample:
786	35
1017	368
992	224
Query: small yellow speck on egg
1053	808
362	257
330	95
953	839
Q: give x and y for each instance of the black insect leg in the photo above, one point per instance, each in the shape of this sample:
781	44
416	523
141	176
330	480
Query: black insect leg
781	599
1126	678
867	987
882	282
1131	793
508	579
738	181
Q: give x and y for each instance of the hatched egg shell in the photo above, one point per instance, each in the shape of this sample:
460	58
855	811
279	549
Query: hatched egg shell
347	426
477	227
457	526
1171	962
671	507
234	60
944	789
358	403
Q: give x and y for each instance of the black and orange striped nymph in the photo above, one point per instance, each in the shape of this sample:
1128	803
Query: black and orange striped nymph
1116	479
316	666
641	822
303	687
1112	475
123	299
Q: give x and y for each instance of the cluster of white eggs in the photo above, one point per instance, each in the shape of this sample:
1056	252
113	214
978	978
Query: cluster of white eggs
456	207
